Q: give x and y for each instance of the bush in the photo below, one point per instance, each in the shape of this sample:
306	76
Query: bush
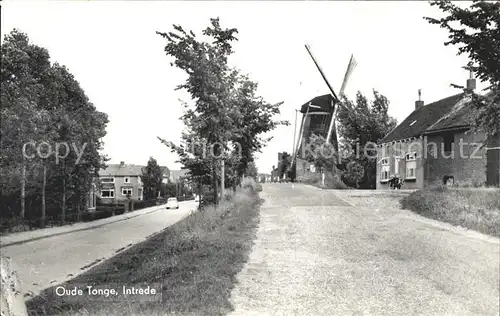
249	183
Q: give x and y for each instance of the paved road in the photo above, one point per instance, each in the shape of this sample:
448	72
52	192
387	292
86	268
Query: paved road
330	253
46	262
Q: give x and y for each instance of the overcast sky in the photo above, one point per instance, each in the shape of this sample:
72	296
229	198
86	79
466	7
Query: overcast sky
113	51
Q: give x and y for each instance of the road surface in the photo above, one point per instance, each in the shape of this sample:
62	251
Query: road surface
50	261
321	252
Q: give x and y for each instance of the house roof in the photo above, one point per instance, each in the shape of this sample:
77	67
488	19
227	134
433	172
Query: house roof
443	114
324	101
118	170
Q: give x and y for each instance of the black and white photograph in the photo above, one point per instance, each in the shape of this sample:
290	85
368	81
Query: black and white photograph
250	158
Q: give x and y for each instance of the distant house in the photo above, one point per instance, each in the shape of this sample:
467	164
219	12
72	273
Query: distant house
435	145
121	180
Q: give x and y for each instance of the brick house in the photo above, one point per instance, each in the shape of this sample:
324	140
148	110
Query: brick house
119	180
435	145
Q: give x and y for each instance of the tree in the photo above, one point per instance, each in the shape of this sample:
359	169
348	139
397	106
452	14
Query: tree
152	177
44	102
363	127
252	171
478	36
321	154
226	109
209	81
355	172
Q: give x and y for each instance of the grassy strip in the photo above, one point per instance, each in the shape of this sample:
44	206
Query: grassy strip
195	260
477	209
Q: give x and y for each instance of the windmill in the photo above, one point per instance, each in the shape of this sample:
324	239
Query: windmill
350	68
335	101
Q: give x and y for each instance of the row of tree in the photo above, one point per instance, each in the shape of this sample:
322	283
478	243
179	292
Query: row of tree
43	107
226	120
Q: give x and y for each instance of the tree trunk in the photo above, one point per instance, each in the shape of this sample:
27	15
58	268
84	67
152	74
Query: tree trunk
199	193
214	181
222	179
23	191
44	184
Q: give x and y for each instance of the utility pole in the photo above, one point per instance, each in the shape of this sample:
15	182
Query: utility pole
294	133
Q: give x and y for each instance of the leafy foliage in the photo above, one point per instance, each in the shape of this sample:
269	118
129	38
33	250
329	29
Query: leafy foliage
152	177
227	117
355	172
44	102
477	35
368	124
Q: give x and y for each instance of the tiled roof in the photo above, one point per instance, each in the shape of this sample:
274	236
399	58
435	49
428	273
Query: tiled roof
118	170
428	116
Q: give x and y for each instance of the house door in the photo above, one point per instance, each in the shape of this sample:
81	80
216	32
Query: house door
139	194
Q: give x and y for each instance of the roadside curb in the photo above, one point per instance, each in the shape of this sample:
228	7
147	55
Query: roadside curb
3	245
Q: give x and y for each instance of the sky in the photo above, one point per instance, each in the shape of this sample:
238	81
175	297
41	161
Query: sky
113	51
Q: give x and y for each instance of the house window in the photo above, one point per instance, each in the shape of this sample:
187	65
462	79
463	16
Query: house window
385	169
384	174
411	167
126	191
412	156
448	141
448	180
107	180
107	193
127	180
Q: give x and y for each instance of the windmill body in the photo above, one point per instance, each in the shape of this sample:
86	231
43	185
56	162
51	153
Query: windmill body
319	117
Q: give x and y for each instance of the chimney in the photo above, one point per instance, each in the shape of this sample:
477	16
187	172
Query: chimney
122	163
419	103
471	82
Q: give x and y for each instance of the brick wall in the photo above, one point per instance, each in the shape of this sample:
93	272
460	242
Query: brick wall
493	163
467	166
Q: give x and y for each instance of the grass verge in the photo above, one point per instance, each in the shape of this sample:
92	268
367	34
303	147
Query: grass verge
195	263
477	209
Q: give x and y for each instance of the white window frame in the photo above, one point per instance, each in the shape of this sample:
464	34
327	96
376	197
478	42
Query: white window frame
385	167
411	165
385	161
128	189
126	180
112	179
411	156
112	191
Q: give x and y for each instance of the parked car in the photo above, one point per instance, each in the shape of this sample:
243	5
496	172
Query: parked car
172	203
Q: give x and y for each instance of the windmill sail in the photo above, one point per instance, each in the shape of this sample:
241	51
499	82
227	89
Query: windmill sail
321	72
348	72
350	68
